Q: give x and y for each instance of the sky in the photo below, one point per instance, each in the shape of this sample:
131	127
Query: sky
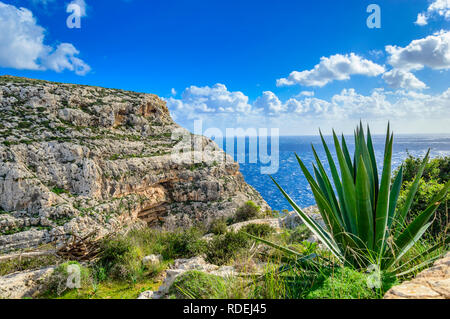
293	65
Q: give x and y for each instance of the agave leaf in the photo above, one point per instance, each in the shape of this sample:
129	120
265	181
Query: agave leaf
348	187
420	266
430	250
393	197
276	246
410	197
329	190
313	226
374	163
337	183
365	214
347	157
406	243
382	207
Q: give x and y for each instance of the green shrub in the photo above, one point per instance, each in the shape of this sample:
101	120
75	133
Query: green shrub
197	285
258	230
299	234
119	260
218	226
66	274
437	169
246	212
425	193
221	249
183	244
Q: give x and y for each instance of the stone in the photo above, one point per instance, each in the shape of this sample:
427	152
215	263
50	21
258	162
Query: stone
146	295
152	260
24	284
432	283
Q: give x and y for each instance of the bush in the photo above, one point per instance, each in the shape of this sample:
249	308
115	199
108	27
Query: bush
120	260
221	249
299	234
183	244
197	285
247	212
258	230
218	226
426	191
66	274
436	169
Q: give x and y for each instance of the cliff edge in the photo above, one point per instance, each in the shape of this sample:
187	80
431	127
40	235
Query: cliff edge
74	159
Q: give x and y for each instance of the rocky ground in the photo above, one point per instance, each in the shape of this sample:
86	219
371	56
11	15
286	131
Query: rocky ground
433	283
74	159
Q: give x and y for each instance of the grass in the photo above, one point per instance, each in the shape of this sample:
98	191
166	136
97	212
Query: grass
108	290
14	265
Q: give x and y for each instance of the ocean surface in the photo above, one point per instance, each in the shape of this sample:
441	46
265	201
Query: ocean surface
291	178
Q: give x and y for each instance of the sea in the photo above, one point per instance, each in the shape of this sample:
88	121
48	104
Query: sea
291	178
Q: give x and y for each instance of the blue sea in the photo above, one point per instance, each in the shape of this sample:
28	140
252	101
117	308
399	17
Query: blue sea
291	178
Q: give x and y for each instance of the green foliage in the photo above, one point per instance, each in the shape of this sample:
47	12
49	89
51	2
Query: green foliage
183	244
119	260
246	212
346	283
437	169
218	226
260	230
21	264
222	248
197	285
425	193
299	234
364	223
59	191
63	274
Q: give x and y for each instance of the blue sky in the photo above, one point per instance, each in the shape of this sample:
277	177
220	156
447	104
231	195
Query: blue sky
219	61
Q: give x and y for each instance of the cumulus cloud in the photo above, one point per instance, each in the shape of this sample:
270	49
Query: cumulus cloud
216	99
403	79
269	103
336	67
438	8
22	45
432	51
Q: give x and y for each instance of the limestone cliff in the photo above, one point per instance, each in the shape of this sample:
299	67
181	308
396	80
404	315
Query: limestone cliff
76	158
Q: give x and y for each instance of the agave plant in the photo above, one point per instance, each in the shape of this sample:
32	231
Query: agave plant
364	225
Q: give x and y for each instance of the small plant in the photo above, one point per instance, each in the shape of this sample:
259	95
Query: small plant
221	249
218	226
197	285
68	276
247	212
184	244
120	260
299	234
259	230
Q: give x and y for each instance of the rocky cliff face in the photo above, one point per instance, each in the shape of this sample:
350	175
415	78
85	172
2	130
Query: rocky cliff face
77	158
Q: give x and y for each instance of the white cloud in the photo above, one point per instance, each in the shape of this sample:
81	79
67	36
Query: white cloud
432	51
216	99
439	8
22	45
269	103
306	93
336	67
403	79
421	19
173	91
